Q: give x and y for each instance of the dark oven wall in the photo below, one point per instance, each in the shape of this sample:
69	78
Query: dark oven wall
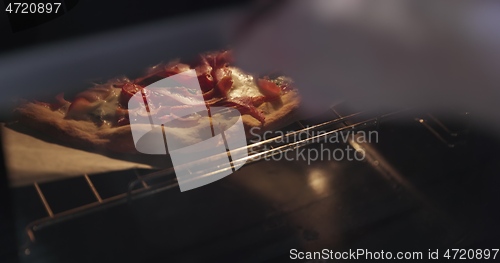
87	17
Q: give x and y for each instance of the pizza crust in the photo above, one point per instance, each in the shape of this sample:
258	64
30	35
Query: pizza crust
82	134
278	113
87	135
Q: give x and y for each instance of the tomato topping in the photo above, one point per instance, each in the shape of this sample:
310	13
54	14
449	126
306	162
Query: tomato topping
175	69
245	106
217	59
59	102
269	88
160	72
123	121
128	90
214	101
205	77
209	94
224	58
224	80
79	105
209	59
257	101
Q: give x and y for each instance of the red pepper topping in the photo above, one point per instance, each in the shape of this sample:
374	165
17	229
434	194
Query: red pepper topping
224	80
269	88
204	73
128	90
245	106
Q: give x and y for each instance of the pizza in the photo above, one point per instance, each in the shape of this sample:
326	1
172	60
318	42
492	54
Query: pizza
99	118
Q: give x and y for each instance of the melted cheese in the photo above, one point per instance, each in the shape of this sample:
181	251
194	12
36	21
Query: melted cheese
244	85
107	107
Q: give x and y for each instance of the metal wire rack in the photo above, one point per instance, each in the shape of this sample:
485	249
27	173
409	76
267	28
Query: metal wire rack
162	180
448	134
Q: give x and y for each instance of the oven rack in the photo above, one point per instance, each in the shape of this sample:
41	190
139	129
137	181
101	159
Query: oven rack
333	122
447	134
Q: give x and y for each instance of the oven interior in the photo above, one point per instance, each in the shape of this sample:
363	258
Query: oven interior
429	181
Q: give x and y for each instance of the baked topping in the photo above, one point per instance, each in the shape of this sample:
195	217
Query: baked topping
221	84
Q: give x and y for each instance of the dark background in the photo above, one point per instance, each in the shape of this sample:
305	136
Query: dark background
84	17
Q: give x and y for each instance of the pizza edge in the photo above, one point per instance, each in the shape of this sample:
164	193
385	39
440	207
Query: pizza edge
88	136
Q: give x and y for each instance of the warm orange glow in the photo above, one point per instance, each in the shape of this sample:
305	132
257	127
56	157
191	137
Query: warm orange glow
318	181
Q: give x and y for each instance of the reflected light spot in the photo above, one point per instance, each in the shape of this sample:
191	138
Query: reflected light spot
318	181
